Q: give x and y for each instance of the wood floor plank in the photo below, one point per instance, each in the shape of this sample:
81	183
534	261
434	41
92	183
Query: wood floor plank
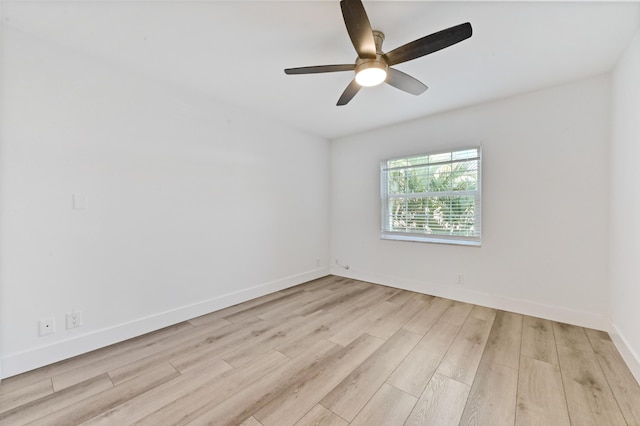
391	324
623	385
461	361
262	308
200	352
492	400
29	378
360	304
155	399
538	341
351	395
276	393
589	398
424	297
571	336
424	320
320	416
318	283
503	346
389	406
36	409
221	313
541	399
124	359
322	328
401	297
441	404
24	395
361	324
483	313
94	405
415	371
304	392
334	298
338	283
251	421
101	357
236	333
342	316
186	407
457	313
306	303
297	326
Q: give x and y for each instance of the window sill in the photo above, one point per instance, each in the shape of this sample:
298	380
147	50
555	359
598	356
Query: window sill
431	239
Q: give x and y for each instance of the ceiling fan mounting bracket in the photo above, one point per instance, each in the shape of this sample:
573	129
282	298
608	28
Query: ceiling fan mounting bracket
378	37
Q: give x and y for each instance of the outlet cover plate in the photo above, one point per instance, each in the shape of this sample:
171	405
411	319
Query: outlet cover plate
47	326
74	319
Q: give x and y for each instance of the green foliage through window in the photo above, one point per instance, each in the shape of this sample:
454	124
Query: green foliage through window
432	195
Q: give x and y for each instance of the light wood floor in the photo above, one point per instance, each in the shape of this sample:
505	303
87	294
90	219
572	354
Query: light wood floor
335	352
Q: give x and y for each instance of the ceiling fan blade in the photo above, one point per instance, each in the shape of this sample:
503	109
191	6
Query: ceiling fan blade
429	44
348	94
320	68
404	82
359	28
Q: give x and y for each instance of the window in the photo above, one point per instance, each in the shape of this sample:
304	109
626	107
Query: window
433	197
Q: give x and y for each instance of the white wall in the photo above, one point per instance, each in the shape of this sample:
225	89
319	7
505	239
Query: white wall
625	206
193	205
544	214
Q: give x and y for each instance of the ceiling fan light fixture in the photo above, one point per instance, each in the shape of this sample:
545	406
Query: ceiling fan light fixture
371	73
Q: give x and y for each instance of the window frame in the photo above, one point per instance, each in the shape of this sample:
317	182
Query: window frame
474	241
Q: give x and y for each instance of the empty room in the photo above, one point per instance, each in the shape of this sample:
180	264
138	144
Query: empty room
335	212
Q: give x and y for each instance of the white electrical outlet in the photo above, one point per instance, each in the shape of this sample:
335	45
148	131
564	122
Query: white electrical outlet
459	279
74	319
47	326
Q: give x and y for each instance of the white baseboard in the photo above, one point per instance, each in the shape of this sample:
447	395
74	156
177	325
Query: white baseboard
16	363
462	294
630	357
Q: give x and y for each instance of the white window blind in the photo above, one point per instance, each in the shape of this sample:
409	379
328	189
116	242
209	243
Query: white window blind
434	197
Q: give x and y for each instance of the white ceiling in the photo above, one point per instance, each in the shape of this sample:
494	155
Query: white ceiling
236	51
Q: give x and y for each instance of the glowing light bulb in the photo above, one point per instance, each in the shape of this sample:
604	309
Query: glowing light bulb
370	72
371	76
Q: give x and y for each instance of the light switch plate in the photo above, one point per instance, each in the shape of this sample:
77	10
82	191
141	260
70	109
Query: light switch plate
80	201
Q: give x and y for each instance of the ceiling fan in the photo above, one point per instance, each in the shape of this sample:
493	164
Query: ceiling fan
373	67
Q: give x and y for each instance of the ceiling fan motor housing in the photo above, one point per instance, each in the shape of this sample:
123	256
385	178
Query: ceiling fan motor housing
372	64
378	62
